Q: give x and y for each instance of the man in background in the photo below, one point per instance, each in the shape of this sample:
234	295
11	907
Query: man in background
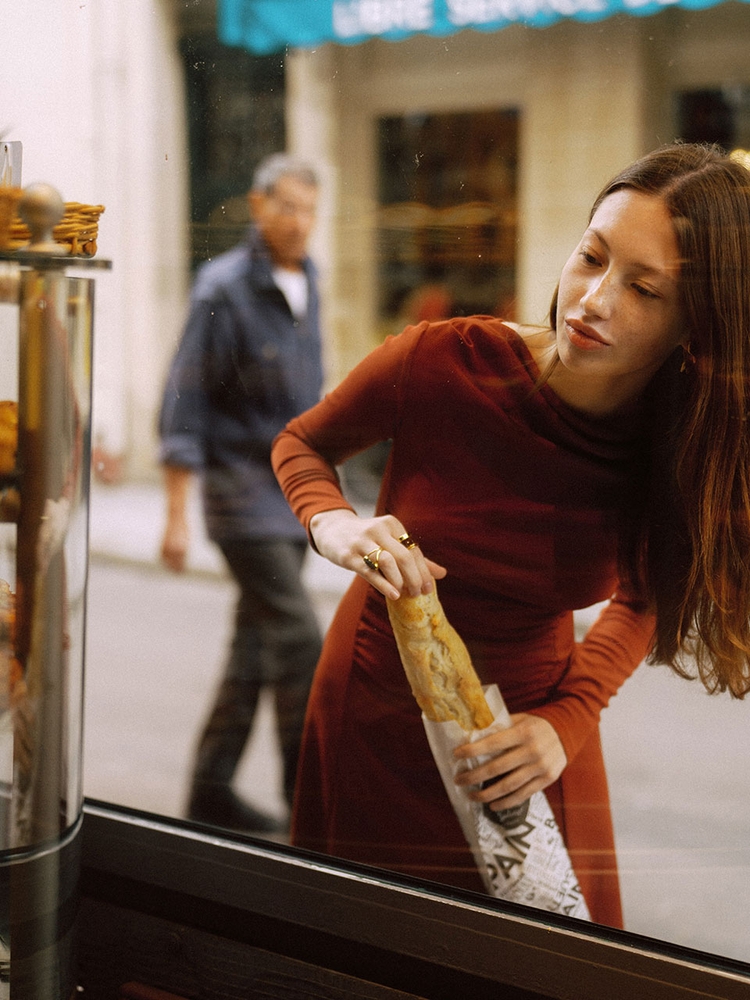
249	360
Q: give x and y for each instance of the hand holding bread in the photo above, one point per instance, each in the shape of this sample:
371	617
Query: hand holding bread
345	539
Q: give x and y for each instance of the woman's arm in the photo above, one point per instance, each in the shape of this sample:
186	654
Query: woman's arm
618	641
364	409
535	750
525	759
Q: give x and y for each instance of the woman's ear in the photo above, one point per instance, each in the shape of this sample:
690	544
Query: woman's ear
688	358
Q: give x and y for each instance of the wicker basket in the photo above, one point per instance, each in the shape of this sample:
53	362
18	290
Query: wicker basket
78	230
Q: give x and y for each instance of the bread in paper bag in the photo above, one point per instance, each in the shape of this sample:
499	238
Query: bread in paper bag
520	853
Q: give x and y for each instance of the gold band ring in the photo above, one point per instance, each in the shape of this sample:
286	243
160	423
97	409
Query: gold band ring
373	563
407	540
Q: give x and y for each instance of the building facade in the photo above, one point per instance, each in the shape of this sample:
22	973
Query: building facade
586	98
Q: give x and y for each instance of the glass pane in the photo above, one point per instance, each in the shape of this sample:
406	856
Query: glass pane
457	174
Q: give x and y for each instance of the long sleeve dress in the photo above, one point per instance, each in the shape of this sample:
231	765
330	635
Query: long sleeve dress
518	496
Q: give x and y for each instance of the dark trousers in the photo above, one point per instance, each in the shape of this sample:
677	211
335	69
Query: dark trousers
276	644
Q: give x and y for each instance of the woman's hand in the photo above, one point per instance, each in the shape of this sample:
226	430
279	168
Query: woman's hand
525	759
345	538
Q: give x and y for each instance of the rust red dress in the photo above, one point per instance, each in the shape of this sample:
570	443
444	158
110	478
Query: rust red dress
517	496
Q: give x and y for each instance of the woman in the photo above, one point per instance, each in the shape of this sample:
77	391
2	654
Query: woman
540	471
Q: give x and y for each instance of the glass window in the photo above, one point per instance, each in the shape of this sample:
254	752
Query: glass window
447	226
456	174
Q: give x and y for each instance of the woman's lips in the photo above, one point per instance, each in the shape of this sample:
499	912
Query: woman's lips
585	337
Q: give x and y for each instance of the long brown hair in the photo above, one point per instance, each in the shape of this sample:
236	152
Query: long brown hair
689	548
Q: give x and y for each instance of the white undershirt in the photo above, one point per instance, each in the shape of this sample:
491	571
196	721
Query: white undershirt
294	286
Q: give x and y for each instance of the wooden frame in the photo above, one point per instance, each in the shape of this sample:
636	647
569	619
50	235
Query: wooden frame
395	933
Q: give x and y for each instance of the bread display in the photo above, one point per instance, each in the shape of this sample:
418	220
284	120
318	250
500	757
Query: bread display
437	663
77	231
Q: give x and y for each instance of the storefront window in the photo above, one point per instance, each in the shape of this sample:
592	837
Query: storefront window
448	215
457	174
719	114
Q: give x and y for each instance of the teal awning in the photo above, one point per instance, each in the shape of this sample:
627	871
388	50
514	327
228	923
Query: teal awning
264	26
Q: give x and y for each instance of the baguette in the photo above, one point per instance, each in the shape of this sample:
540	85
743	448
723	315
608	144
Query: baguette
437	663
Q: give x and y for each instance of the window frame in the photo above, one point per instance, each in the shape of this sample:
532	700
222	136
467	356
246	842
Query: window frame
396	931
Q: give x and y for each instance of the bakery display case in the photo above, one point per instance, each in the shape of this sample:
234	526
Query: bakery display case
46	328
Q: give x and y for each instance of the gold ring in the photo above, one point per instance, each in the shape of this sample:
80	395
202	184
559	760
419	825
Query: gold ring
373	563
407	540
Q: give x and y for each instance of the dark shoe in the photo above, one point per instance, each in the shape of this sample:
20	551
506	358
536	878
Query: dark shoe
219	806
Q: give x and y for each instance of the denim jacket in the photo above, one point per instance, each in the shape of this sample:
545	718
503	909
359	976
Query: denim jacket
244	367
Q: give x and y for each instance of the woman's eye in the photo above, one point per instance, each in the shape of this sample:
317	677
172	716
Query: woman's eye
645	292
589	258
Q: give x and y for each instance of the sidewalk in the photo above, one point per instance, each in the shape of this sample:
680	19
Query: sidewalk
155	645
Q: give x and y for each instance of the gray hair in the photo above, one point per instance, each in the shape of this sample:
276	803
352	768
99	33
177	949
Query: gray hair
271	169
